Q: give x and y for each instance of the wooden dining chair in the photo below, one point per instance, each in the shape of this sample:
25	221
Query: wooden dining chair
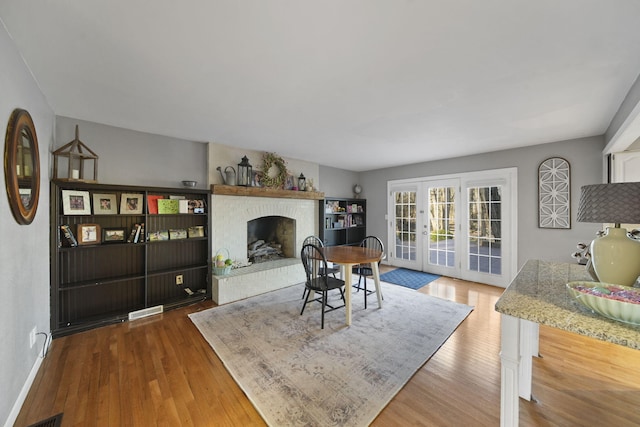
315	240
365	270
318	280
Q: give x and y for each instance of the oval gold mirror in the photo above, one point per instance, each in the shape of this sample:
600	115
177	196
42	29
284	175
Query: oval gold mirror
22	166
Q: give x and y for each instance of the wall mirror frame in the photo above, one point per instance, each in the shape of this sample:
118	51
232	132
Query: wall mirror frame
22	166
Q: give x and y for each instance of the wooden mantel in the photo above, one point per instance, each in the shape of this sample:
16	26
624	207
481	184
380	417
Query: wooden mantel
235	190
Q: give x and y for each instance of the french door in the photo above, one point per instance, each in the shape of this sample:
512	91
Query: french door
404	240
459	226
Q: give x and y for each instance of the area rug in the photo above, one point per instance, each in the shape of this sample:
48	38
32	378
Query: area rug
408	278
297	374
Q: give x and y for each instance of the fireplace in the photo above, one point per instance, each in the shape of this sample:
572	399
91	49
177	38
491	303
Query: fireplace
270	238
231	216
230	230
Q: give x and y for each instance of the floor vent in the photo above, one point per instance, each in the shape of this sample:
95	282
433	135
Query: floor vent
54	421
146	312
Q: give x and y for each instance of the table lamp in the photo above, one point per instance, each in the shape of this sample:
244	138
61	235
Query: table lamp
615	256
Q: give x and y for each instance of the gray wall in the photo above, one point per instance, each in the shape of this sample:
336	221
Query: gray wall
24	249
584	155
339	182
631	100
129	157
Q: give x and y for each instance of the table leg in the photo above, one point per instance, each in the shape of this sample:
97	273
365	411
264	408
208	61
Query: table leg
376	280
345	271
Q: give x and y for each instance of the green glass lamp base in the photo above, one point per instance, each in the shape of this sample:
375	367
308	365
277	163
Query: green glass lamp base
616	257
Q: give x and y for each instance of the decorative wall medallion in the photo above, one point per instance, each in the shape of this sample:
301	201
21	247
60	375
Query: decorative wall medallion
554	193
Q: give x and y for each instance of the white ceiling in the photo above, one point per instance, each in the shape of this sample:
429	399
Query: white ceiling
354	84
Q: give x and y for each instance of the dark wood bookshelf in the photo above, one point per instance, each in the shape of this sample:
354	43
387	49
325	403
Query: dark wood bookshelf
97	284
342	221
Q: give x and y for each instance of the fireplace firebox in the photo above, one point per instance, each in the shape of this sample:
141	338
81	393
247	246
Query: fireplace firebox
270	238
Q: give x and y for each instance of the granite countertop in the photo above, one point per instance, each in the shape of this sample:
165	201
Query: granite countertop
539	294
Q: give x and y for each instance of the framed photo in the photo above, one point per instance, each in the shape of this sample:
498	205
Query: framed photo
131	203
196	231
105	204
88	234
76	202
113	235
196	206
256	176
177	234
289	183
159	235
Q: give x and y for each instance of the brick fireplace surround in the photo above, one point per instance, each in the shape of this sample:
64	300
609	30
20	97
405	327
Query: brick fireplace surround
231	209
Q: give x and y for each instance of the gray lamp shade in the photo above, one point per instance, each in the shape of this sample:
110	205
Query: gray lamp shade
610	203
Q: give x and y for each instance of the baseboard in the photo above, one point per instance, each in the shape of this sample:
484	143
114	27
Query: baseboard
15	411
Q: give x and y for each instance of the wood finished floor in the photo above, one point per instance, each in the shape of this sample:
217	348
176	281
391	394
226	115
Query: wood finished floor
159	371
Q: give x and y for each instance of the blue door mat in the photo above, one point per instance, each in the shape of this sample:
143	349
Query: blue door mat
408	278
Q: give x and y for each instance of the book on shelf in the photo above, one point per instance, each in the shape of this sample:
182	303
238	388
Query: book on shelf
152	203
132	235
168	206
67	239
137	234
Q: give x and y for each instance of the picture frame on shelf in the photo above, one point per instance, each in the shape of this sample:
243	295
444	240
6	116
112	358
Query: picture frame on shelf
289	182
196	206
256	176
159	235
131	203
105	204
177	234
113	235
76	202
195	231
88	234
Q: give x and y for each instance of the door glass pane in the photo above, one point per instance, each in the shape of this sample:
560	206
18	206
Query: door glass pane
442	226
485	230
405	207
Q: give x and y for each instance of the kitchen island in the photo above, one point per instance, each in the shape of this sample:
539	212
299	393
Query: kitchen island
538	296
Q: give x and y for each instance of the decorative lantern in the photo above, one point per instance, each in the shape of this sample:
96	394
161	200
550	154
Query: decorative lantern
245	173
302	182
77	155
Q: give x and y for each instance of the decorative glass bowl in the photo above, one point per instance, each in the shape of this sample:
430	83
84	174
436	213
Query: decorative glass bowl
616	302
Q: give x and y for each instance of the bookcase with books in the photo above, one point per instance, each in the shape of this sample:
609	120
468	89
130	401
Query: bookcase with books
343	221
121	252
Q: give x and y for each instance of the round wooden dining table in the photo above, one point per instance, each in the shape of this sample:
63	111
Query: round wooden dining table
349	256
